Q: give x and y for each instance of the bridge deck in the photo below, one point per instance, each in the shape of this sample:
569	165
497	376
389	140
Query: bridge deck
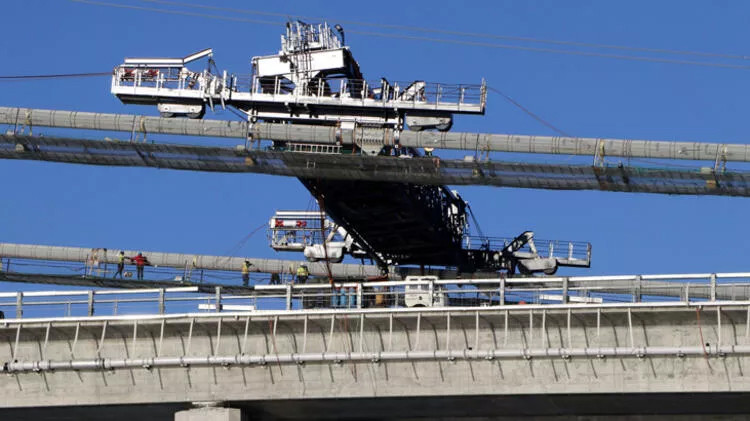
527	359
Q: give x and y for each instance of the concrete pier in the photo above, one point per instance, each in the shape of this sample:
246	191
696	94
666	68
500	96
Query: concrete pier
209	413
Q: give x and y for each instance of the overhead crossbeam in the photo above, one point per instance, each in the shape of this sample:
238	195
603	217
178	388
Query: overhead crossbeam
422	170
555	145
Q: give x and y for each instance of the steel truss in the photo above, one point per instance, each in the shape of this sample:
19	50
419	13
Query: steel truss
424	170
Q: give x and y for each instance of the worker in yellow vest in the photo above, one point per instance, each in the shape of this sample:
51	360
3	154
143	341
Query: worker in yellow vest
246	272
120	264
302	274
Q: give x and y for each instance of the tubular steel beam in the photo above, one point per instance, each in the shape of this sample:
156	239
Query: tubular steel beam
30	117
422	170
107	364
557	145
339	271
181	260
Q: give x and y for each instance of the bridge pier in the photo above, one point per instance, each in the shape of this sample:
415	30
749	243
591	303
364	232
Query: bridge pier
211	412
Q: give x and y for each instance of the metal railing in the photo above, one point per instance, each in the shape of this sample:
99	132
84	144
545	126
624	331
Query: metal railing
89	302
415	92
378	90
172	78
567	250
594	291
103	271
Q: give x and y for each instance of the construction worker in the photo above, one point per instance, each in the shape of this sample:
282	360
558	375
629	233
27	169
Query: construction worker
428	151
275	279
120	264
140	261
302	274
246	272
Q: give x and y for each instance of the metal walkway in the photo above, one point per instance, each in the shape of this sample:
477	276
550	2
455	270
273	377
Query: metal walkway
659	291
108	282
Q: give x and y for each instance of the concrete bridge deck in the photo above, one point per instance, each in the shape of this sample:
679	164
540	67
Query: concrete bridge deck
539	360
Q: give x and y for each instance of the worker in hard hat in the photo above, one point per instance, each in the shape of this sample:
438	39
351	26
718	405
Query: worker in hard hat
120	264
246	272
302	274
428	151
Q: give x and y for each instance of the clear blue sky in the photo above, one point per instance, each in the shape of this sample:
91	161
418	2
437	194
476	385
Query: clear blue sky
60	204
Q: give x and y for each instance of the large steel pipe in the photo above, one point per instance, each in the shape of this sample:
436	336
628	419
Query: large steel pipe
181	260
32	117
625	148
104	364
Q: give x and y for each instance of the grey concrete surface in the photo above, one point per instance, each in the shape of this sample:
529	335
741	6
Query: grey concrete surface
627	384
209	414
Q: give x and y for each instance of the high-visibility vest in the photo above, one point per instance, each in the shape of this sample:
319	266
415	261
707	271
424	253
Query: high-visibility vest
301	271
245	268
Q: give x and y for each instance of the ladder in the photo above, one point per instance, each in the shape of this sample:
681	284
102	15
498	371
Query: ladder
314	148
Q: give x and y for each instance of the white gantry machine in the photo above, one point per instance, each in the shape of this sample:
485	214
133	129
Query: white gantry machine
315	80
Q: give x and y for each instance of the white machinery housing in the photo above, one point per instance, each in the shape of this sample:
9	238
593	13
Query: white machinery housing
421	291
312	233
313	79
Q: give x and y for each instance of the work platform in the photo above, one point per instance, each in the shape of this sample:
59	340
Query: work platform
313	78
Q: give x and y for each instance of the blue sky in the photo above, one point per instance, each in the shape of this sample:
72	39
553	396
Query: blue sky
134	208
